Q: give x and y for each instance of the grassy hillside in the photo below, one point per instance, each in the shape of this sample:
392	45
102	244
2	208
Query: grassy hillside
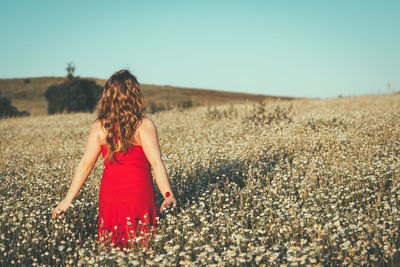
306	182
28	94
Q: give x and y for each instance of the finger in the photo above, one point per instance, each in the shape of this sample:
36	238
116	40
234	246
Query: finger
55	211
174	203
162	208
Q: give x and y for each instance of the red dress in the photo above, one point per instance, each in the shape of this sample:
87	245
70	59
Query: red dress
126	197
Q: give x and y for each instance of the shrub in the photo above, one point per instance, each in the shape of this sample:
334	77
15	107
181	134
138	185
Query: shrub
215	113
260	116
185	104
73	95
153	107
8	110
334	123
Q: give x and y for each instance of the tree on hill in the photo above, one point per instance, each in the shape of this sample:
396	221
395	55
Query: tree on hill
8	110
70	70
73	95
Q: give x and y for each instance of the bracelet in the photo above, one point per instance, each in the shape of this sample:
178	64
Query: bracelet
167	194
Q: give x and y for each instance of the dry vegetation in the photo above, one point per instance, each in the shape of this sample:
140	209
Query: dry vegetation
28	94
306	182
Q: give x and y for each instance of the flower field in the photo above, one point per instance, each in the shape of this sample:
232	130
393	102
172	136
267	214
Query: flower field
304	182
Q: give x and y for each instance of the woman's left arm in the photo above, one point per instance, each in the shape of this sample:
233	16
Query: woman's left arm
82	171
151	148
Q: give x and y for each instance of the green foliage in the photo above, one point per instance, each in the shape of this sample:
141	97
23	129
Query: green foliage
8	110
73	95
26	81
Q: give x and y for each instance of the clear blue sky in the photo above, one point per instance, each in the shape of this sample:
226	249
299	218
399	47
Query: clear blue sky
289	48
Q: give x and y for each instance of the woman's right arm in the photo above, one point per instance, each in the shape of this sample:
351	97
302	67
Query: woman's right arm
82	171
151	147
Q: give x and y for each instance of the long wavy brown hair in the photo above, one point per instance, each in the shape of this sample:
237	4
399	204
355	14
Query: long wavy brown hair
120	112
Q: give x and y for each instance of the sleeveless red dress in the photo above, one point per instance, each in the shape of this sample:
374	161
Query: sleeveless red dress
126	199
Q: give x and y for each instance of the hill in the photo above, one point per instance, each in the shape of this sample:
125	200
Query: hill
28	94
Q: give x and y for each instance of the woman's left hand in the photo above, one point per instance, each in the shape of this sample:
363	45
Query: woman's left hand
168	201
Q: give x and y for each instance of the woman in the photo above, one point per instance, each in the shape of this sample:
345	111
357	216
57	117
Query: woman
129	145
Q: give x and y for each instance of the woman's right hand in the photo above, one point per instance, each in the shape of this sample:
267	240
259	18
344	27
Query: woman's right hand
168	201
61	208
